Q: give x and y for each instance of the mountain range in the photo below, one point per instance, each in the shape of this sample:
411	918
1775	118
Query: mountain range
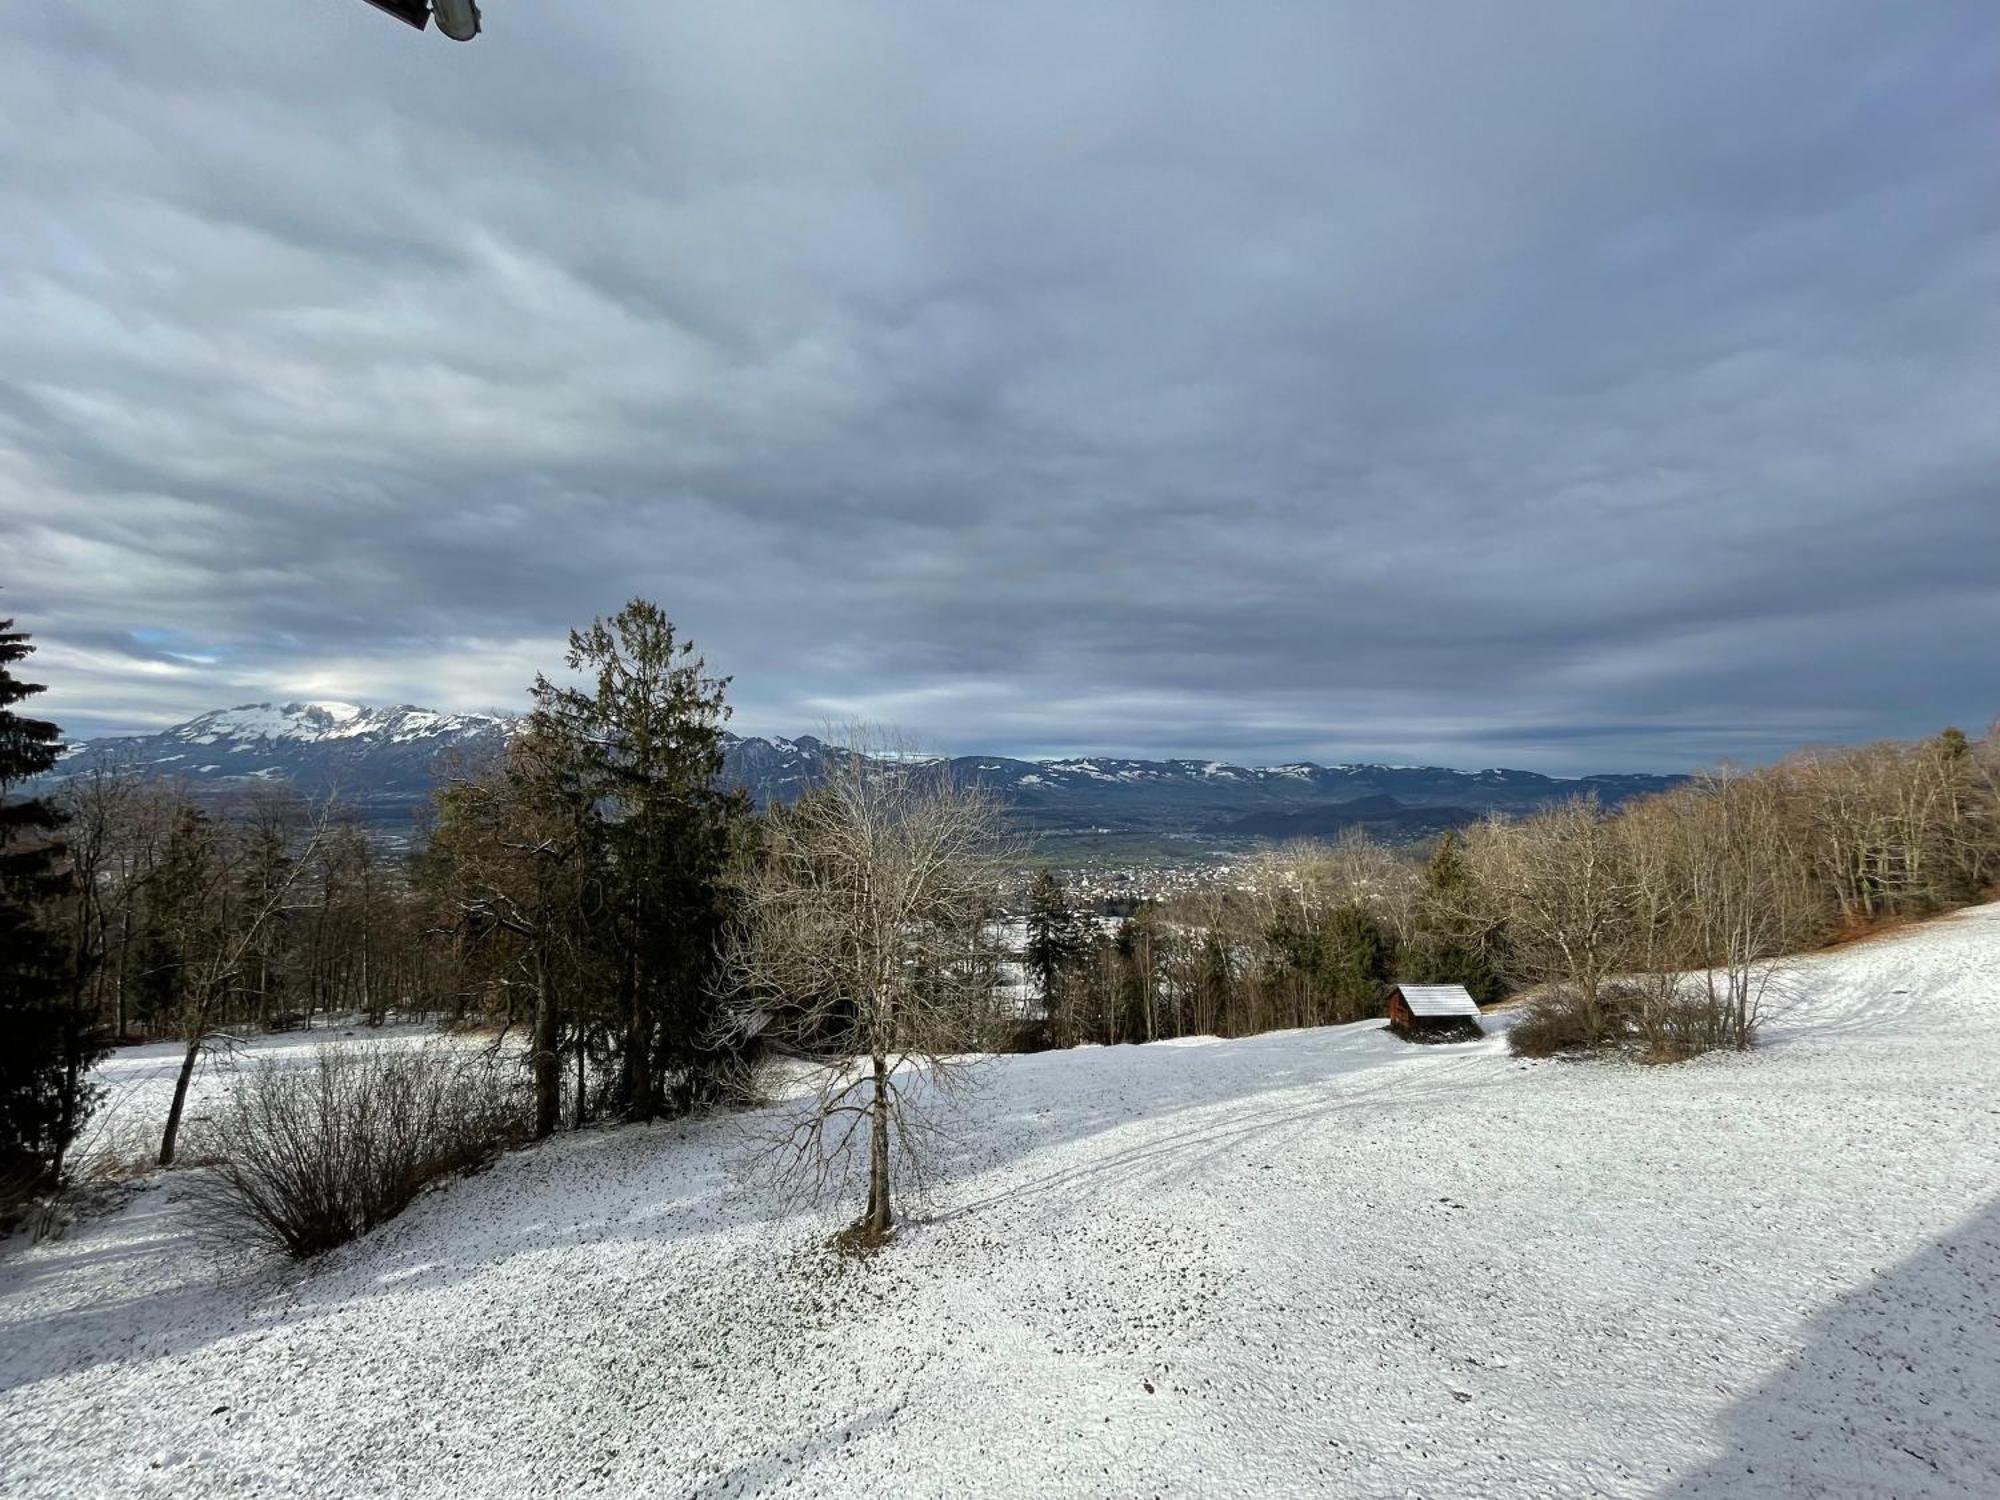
386	761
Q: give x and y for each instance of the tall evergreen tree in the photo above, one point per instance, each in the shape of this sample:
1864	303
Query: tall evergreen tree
46	1044
1055	936
649	728
1452	945
1357	953
1329	968
515	853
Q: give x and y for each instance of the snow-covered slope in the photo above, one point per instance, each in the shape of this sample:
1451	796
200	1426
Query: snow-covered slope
1316	1263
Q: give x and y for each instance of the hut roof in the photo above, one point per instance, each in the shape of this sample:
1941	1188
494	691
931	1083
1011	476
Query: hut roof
1429	1000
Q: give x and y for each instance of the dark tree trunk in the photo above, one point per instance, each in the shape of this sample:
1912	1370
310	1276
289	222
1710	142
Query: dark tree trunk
124	962
173	1130
639	1098
547	1062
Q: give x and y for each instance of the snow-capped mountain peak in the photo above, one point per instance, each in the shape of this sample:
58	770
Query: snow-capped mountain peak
387	761
383	760
315	722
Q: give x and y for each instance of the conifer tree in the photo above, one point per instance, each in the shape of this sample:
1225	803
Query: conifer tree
1357	955
517	853
648	726
1452	945
1329	968
1055	937
46	1045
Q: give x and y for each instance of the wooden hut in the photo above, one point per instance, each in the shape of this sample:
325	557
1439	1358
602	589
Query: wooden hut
1433	1013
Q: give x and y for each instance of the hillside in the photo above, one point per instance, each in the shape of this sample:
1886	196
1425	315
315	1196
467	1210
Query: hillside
386	761
1312	1263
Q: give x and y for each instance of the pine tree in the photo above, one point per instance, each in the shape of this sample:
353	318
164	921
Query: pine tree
1357	954
46	1044
649	728
517	856
1451	945
1055	935
1329	968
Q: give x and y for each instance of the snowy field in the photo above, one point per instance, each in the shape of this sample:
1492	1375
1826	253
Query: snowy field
1317	1263
138	1085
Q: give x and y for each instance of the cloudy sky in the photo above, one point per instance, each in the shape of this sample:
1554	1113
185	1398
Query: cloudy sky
1575	387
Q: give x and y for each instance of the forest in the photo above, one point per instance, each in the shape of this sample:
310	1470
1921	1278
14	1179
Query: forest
1606	917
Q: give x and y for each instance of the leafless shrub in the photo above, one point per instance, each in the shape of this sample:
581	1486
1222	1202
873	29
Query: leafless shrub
309	1158
1566	1018
18	1194
1659	1018
1697	1018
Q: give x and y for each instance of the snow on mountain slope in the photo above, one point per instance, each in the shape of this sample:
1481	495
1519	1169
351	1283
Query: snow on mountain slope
385	761
1314	1263
382	761
312	723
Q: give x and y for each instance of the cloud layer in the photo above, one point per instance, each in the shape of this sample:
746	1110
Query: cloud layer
1569	386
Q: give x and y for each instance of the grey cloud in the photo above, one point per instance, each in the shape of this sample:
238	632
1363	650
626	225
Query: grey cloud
1584	388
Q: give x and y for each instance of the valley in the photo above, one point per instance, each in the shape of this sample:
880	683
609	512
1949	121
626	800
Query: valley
384	764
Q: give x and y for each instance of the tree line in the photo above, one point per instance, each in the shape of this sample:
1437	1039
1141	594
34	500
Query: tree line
642	941
1656	921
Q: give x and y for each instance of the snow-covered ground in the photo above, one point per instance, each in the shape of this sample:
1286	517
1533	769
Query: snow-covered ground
1317	1263
138	1084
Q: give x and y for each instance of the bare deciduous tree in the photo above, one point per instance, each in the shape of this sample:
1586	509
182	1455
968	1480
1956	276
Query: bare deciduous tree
868	945
1559	881
216	942
1745	900
1720	886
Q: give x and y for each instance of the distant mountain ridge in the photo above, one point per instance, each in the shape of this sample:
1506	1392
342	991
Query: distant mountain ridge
388	760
